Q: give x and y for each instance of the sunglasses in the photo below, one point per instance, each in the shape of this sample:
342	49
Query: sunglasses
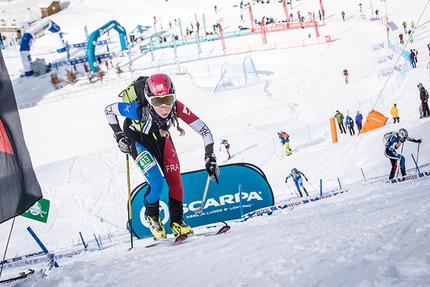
160	101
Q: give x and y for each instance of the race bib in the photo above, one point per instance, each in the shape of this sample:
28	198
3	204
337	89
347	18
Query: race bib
145	161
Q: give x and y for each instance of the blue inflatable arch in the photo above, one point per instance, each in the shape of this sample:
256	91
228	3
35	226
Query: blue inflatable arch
92	41
36	30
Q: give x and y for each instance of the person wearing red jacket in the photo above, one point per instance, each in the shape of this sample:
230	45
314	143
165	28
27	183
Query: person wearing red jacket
146	137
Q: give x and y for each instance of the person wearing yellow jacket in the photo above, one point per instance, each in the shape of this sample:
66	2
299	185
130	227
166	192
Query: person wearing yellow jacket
395	113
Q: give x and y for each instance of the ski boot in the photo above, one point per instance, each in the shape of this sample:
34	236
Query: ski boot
152	212
156	226
403	171
179	227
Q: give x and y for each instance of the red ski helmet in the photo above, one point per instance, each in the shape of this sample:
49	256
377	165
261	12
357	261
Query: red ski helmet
159	90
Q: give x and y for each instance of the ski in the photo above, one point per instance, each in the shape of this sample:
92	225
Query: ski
228	159
408	177
170	241
180	239
22	275
222	230
48	269
282	156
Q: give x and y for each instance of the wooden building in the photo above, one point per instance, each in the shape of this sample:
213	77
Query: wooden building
48	7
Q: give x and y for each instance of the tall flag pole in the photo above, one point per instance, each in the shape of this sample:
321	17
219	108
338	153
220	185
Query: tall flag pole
322	11
19	188
251	18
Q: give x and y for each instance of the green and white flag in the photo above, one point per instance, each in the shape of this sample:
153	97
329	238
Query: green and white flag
39	211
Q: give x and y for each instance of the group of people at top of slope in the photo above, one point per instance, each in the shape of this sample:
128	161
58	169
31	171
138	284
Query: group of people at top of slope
348	121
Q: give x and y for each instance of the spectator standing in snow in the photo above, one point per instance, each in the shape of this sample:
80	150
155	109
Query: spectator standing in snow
346	74
395	114
285	141
339	117
415	56
412	57
404	27
377	14
394	141
401	38
359	121
428	68
297	178
360	6
226	146
410	36
424	99
349	122
412	25
343	15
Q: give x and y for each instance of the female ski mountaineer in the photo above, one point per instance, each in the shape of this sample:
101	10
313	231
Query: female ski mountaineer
297	178
150	108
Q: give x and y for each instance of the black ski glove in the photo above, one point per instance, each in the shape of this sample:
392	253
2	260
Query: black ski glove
212	167
123	142
306	178
286	179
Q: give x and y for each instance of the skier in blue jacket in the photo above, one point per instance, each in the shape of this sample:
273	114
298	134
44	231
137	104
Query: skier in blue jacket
393	142
297	177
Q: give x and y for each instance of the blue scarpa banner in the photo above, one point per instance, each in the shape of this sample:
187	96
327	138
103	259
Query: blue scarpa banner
242	188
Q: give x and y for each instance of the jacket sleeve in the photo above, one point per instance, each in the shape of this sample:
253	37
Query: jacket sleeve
111	113
196	124
412	140
128	110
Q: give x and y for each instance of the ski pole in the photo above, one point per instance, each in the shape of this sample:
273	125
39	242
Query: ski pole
293	189
416	164
312	186
130	225
418	151
199	210
400	158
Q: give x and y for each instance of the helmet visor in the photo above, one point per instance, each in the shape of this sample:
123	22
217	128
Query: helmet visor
160	101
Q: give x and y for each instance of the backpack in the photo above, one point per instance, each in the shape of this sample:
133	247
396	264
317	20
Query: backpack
285	135
387	137
427	95
130	95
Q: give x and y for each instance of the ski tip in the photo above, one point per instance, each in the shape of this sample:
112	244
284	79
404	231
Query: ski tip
180	238
224	229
